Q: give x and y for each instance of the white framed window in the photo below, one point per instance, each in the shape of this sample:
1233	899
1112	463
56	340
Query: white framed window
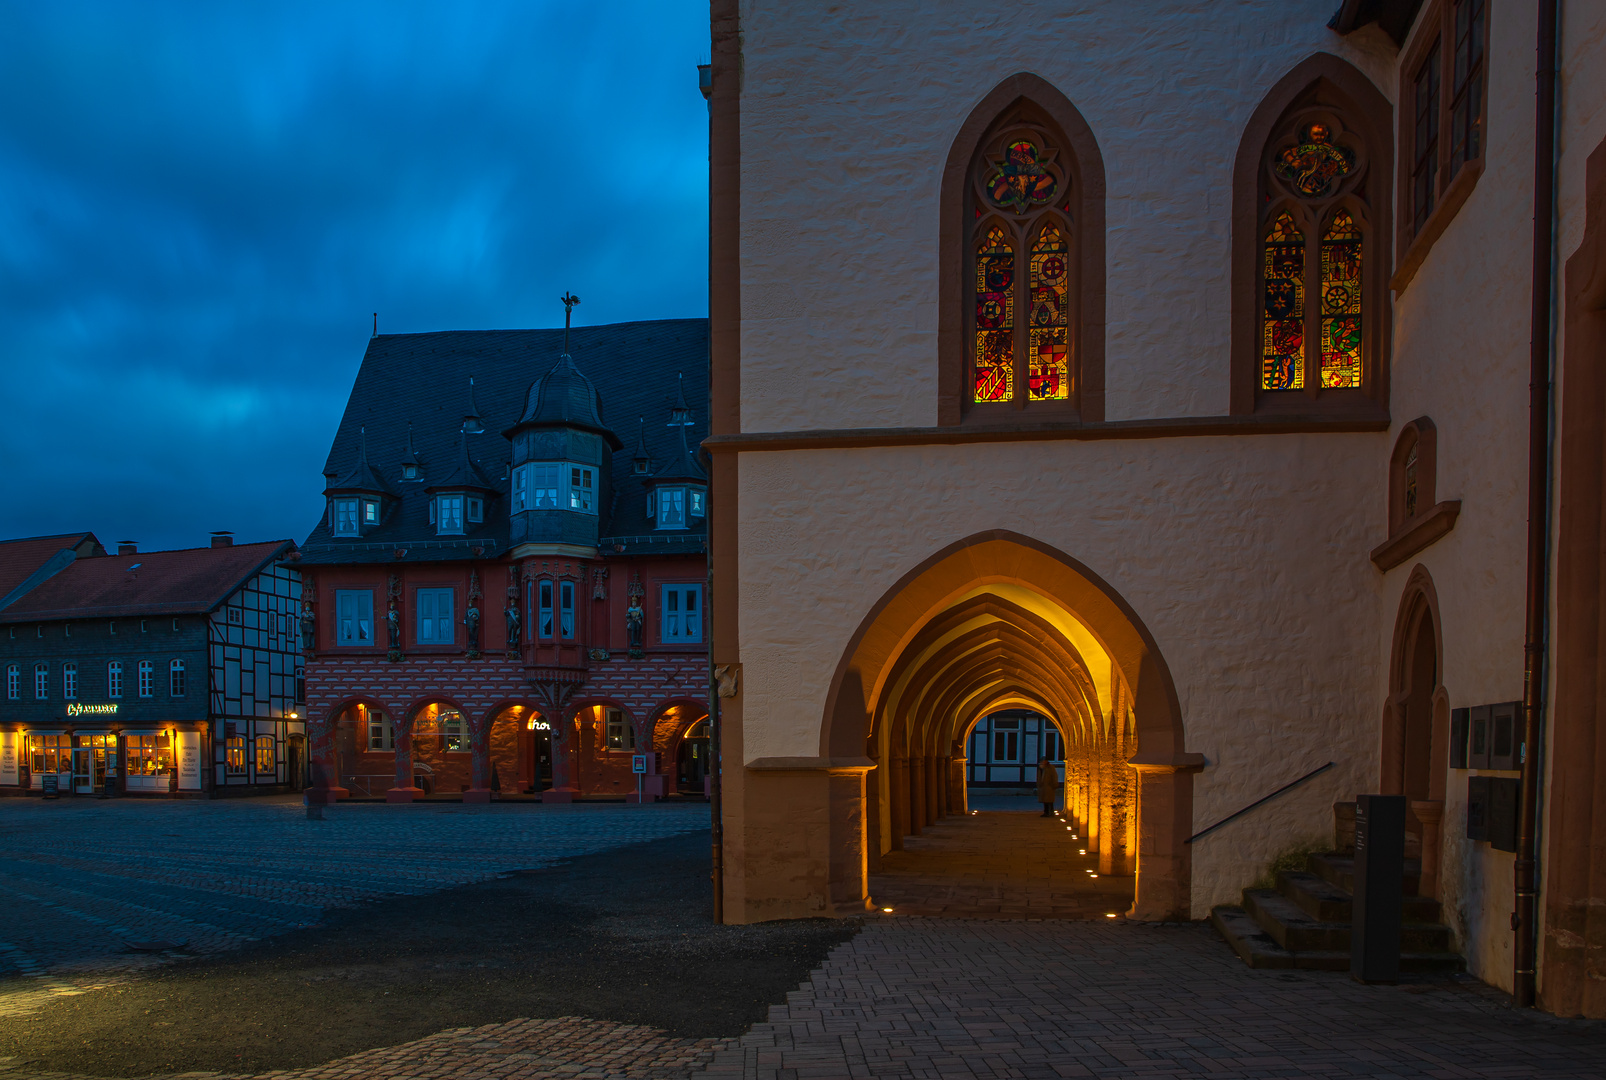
621	735
41	682
681	608
175	678
582	489
448	514
69	681
147	679
13	682
370	512
409	471
234	755
454	731
543	481
544	622
354	617
267	757
435	616
381	734
566	608
343	516
672	508
695	502
476	509
114	679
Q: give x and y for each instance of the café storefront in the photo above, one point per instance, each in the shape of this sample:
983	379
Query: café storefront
95	755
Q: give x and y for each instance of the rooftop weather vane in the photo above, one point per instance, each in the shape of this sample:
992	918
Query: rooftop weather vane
569	300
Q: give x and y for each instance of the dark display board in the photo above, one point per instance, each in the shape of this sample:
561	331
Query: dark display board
1379	888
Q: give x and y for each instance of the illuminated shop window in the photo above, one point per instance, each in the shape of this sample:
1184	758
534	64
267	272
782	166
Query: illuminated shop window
148	755
267	756
620	734
454	730
50	753
381	735
234	755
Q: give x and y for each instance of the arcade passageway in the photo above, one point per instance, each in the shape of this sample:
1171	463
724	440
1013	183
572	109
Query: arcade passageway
1000	626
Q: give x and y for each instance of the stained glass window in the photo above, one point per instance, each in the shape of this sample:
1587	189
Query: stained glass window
1021	180
1282	350
1049	378
995	317
1410	483
1341	303
1315	164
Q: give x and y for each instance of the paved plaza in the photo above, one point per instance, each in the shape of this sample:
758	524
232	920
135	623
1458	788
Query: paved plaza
89	883
916	997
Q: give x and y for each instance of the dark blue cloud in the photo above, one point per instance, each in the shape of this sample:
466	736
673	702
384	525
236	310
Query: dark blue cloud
201	204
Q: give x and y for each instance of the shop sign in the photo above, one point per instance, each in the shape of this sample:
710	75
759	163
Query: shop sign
540	725
189	760
51	784
8	757
77	708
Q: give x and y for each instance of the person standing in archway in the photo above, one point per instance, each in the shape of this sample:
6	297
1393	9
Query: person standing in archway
1048	785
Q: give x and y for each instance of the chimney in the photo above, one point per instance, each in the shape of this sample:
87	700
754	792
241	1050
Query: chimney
128	547
222	538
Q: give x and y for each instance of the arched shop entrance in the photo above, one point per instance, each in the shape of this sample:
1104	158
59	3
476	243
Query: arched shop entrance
691	765
1000	626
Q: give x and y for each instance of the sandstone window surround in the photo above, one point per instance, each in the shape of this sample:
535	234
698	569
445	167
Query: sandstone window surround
1443	95
1021	294
1311	217
1416	520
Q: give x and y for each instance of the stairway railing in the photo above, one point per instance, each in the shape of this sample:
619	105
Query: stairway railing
1286	787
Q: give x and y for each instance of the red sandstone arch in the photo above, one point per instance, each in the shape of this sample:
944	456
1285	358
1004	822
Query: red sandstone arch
939	591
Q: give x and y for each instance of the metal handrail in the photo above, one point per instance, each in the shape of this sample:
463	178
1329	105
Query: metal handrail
1257	802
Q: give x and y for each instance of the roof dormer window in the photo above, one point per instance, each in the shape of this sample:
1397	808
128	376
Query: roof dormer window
370	512
672	508
582	489
446	511
343	517
410	471
476	509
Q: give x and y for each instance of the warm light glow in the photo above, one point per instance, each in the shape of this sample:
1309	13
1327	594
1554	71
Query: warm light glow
1109	915
886	909
1083	851
1092	875
295	716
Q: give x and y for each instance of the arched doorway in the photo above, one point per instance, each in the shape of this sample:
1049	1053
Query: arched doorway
691	760
1416	724
1001	619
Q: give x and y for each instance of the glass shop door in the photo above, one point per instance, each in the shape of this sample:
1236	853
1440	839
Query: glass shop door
82	779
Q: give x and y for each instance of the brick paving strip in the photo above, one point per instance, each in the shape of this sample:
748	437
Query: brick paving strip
568	1047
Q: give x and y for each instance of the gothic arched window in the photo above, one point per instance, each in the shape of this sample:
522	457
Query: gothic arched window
1311	202
1022	281
1313	257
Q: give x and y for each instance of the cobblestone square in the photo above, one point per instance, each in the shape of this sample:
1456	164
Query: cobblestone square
87	882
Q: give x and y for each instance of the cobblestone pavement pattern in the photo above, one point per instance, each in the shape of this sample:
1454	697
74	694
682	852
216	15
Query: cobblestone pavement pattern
84	879
989	998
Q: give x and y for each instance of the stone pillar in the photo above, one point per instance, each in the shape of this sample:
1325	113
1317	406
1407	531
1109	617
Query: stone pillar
564	740
898	801
935	787
479	744
323	761
403	791
1108	808
917	796
958	796
1164	863
875	782
1095	798
1430	814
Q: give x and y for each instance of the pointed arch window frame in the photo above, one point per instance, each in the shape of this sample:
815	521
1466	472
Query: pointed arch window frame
1026	100
1321	86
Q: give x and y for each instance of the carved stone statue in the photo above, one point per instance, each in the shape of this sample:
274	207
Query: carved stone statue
393	623
309	628
472	621
634	617
514	624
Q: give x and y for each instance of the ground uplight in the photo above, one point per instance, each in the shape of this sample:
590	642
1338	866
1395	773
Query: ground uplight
887	910
1109	914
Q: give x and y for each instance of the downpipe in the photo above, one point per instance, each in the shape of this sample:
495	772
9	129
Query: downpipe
1524	917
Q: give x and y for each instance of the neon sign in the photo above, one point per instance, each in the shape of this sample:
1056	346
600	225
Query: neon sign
76	709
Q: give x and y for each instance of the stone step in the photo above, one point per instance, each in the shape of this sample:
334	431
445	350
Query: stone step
1326	902
1297	931
1258	949
1340	870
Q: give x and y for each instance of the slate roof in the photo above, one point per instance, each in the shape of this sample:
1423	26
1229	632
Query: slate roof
21	559
183	582
423	379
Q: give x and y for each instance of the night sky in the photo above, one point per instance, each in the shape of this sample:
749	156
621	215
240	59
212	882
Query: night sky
201	205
